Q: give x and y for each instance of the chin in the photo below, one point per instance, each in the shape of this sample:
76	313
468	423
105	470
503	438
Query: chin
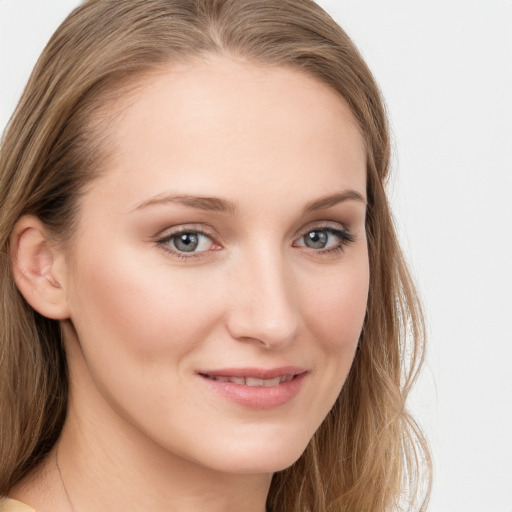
270	457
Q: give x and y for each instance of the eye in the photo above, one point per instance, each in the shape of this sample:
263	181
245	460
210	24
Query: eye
326	239
186	242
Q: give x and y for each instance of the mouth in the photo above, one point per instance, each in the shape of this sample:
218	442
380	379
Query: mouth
256	388
251	381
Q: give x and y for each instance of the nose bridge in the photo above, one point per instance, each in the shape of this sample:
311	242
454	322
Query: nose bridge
264	303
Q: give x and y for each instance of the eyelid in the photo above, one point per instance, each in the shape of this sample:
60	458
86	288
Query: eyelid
186	228
324	224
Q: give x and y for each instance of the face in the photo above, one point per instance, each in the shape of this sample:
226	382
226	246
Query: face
218	277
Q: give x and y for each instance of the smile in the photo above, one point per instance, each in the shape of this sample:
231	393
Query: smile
255	388
252	381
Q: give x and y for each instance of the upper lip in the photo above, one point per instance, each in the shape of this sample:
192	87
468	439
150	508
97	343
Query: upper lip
255	373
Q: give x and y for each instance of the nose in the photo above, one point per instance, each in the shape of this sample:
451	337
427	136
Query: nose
264	302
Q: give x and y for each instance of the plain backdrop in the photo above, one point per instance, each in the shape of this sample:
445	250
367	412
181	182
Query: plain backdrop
445	68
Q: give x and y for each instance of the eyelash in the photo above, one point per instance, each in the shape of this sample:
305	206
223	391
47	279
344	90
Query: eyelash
343	236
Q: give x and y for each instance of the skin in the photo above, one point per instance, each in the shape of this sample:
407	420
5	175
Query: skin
139	321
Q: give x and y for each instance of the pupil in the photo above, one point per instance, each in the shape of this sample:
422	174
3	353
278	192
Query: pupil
316	239
186	242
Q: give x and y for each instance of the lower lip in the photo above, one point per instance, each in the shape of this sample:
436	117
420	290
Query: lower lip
258	397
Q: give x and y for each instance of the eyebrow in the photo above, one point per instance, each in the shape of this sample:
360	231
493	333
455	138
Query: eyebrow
216	204
213	204
332	200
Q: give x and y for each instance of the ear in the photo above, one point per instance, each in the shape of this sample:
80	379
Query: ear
39	268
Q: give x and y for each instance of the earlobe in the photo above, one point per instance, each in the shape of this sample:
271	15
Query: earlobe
34	264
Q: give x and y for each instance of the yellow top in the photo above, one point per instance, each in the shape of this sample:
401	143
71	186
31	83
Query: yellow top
10	505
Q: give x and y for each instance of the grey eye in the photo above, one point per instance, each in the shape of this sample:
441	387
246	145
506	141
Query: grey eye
316	239
186	242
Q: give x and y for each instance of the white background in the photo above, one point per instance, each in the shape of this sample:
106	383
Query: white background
445	68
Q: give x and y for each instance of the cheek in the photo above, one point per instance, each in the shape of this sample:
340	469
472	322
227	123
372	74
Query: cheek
130	305
338	307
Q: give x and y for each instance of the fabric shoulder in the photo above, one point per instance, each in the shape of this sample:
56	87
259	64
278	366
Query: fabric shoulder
10	505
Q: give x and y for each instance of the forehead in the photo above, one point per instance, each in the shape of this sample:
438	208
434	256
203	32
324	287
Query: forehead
217	123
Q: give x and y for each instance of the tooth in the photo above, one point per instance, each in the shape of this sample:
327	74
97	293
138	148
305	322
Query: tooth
249	381
237	380
222	379
272	382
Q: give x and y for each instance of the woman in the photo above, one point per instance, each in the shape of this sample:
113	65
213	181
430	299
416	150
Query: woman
204	304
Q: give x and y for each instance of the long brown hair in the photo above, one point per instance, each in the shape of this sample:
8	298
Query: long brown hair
368	454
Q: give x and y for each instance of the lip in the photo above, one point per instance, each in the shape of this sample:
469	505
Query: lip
256	396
